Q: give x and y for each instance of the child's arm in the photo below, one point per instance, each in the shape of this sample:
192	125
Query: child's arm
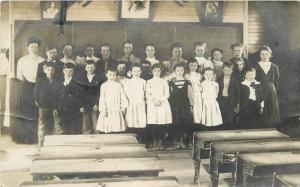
102	102
217	89
36	92
124	100
148	92
191	96
237	96
166	91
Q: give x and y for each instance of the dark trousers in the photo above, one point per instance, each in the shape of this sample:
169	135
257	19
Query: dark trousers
48	123
157	132
140	132
250	117
177	132
89	122
69	122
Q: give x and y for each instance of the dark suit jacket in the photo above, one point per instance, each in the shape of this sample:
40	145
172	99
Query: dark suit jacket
102	65
245	93
58	68
68	96
233	90
91	90
45	94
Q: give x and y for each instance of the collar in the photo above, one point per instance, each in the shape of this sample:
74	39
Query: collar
247	83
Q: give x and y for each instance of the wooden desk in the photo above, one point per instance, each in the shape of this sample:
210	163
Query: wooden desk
113	182
95	168
263	165
99	139
286	180
202	141
223	154
94	151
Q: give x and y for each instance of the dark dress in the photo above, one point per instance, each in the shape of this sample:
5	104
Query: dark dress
180	104
227	104
269	84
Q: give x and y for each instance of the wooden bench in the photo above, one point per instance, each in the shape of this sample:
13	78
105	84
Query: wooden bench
202	141
223	155
94	168
98	139
112	182
286	180
94	151
257	166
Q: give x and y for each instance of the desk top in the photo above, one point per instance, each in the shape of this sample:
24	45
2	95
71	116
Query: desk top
128	182
90	139
272	158
96	166
105	151
290	179
266	145
227	135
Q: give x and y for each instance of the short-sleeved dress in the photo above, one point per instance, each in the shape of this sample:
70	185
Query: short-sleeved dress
195	79
136	112
269	83
158	89
211	113
112	101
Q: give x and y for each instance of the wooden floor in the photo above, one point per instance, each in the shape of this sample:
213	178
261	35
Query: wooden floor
16	161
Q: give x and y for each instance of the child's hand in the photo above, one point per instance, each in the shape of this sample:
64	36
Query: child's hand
157	103
261	110
192	109
104	113
81	110
237	109
55	112
36	103
95	108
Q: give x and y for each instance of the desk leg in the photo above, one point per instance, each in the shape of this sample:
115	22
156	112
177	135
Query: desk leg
197	171
214	177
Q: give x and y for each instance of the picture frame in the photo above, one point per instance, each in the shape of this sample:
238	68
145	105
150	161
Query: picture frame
211	12
138	10
51	11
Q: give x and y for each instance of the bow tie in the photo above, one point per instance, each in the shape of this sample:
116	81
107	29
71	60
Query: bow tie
252	85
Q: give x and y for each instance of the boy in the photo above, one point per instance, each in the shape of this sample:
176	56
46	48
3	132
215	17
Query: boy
91	82
229	96
46	100
146	70
51	53
150	54
68	100
128	56
251	101
121	72
238	52
79	70
106	61
67	52
176	52
89	53
239	65
200	48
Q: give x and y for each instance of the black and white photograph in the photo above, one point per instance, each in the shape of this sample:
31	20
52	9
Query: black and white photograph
177	93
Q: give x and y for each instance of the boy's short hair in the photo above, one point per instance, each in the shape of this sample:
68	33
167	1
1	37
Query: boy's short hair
175	45
136	65
236	45
69	65
179	65
216	49
111	69
247	69
33	40
208	69
90	62
150	44
228	65
146	62
49	64
200	44
89	45
68	44
50	47
127	42
154	66
105	45
80	54
265	48
238	59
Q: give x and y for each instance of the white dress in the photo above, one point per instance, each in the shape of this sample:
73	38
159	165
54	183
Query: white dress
158	89
113	101
203	63
195	79
136	111
211	113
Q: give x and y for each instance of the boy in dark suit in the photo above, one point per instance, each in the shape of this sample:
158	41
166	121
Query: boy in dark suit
229	96
46	100
68	104
51	53
251	101
91	83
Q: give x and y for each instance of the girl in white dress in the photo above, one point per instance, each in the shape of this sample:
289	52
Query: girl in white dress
158	108
112	105
211	114
136	112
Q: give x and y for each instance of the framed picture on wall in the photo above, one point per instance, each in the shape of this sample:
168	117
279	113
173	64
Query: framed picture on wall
51	10
131	9
211	11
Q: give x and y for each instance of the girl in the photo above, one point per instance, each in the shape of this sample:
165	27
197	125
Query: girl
216	59
181	100
267	74
158	107
211	115
195	78
136	112
112	105
200	48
